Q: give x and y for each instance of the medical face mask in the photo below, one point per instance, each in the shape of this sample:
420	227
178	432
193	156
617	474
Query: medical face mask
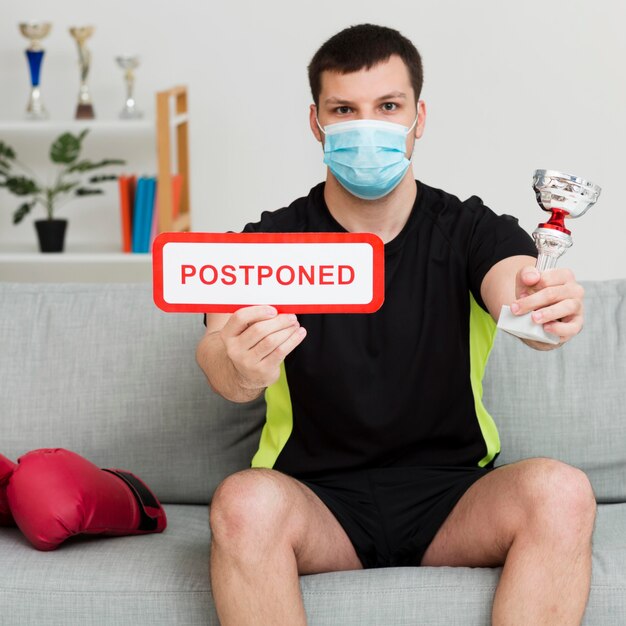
367	156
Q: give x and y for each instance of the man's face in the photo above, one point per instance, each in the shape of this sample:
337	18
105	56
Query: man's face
383	92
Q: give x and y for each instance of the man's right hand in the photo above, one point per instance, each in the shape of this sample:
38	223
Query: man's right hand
257	340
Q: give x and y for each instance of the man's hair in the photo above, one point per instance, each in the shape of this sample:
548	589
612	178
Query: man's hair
364	46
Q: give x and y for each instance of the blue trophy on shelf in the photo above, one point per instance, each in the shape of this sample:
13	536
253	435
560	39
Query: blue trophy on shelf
34	53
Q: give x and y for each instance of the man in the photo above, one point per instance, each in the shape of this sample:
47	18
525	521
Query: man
377	450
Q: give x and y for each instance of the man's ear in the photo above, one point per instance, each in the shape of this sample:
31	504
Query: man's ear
421	119
313	123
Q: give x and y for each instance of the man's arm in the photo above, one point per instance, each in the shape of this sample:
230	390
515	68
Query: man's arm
554	296
241	353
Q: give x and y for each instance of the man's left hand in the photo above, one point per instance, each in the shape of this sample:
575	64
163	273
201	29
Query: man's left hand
554	297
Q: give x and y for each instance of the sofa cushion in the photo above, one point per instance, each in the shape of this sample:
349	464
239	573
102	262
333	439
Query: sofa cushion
99	370
568	404
164	580
160	579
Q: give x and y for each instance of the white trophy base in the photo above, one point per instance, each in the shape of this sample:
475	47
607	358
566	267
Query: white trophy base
525	327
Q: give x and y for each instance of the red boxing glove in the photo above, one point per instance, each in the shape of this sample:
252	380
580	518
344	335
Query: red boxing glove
6	470
55	494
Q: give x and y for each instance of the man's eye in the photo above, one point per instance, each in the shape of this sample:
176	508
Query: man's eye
343	110
390	106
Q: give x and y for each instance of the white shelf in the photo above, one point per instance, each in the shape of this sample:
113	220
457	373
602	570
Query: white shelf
74	253
74	257
58	126
99	260
75	266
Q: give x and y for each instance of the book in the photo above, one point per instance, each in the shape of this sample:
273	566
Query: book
148	214
154	230
132	188
127	196
138	213
139	202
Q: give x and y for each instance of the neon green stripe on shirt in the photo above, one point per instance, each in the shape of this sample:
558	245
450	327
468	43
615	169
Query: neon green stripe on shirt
482	335
278	422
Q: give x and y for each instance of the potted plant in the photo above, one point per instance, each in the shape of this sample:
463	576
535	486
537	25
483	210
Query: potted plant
70	183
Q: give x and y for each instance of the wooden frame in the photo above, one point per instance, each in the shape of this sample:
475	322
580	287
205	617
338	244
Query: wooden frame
164	123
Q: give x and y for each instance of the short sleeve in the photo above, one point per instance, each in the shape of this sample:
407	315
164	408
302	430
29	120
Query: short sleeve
494	238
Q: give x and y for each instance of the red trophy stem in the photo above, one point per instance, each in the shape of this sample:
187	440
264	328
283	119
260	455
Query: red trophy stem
557	221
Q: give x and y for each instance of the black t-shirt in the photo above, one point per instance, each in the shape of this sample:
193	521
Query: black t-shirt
401	386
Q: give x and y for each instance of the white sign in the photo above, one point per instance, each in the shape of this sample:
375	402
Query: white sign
295	272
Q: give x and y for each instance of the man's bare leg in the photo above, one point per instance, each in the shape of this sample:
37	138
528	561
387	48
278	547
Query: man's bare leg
536	517
268	528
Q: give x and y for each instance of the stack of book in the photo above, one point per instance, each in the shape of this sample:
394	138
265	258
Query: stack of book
138	205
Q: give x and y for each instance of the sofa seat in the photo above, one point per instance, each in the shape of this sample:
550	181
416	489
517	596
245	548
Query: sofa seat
164	580
140	580
416	595
99	370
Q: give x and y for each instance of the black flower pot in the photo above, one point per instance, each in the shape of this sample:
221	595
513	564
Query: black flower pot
51	234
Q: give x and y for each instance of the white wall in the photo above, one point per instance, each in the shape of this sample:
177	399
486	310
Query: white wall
510	87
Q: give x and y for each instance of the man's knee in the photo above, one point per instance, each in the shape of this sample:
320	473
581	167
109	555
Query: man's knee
558	497
248	508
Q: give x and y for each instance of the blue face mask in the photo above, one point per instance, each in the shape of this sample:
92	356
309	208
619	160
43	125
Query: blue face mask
367	156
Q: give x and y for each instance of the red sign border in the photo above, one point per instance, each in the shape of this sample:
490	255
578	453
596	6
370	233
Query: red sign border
378	292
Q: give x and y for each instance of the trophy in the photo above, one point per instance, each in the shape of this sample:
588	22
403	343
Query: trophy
564	196
34	53
84	109
129	63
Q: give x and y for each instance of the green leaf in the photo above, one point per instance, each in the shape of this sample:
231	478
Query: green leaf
5	165
85	191
6	151
21	186
65	148
102	178
65	187
81	166
22	212
85	166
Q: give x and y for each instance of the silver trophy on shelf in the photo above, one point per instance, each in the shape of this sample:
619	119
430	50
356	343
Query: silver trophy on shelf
35	31
564	196
129	63
84	108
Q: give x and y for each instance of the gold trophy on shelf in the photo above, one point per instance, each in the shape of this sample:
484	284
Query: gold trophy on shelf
84	108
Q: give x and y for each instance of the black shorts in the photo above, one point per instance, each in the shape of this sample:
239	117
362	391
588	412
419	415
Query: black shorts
392	514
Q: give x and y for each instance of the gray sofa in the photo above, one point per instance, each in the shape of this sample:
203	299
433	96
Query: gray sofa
99	370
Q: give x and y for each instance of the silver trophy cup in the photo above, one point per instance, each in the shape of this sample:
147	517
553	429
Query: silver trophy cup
564	196
129	63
